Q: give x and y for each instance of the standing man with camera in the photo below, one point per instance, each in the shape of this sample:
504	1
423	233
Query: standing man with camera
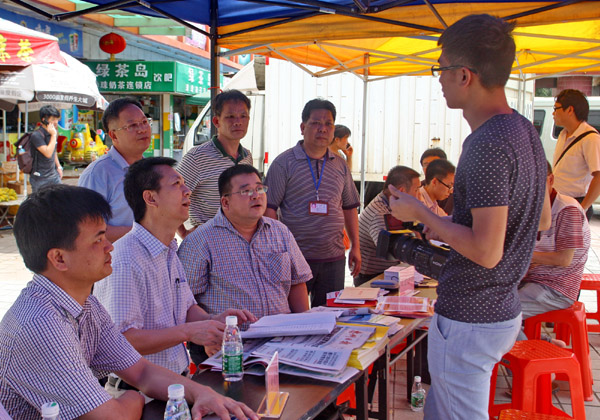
46	168
499	192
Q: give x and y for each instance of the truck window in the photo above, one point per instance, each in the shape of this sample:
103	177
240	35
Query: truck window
202	132
594	119
538	120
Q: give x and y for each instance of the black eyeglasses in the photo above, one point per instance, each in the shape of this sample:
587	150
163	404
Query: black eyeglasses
556	108
436	70
450	187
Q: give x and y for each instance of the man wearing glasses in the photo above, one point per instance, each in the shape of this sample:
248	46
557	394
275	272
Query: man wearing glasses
131	132
439	183
241	259
577	154
499	193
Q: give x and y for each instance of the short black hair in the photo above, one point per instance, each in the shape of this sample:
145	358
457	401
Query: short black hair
231	95
50	218
484	44
143	176
400	176
576	99
315	104
435	151
229	173
114	109
439	168
341	131
48	111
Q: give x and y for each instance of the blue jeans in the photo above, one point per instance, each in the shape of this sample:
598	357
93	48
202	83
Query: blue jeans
461	358
537	298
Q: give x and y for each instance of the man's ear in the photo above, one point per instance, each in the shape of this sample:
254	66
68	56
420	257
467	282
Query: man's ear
149	198
215	121
225	202
302	127
57	259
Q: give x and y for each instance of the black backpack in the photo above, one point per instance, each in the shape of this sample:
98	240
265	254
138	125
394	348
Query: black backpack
24	156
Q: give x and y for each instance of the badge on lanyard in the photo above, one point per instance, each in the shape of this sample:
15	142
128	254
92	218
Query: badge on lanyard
317	207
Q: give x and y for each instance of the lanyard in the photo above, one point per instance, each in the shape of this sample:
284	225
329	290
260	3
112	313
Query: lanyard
317	184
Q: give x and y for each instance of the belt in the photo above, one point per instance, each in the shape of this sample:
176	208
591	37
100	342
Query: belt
120	384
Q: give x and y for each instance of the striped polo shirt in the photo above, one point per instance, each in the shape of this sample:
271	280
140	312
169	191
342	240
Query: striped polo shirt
370	223
200	168
291	188
569	230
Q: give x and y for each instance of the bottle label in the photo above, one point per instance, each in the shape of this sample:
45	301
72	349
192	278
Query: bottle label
232	363
417	399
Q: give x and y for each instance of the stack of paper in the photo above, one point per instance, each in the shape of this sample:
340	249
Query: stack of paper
406	306
307	323
364	356
354	297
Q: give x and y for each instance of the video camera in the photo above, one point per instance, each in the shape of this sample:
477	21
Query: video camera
428	259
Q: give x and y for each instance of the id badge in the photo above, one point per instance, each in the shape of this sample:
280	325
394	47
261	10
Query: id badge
319	208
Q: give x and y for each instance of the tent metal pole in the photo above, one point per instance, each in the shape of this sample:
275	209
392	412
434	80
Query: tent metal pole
4	136
214	59
363	152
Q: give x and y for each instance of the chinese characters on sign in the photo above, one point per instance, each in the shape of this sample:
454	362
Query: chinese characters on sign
150	76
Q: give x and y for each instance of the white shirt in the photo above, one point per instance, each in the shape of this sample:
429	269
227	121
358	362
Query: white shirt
429	202
573	174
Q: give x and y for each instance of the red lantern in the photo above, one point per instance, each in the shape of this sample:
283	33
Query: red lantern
112	43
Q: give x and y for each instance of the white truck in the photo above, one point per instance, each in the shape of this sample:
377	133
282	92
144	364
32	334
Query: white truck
405	115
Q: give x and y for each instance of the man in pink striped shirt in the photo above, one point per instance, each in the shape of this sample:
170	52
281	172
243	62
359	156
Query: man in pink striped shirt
559	257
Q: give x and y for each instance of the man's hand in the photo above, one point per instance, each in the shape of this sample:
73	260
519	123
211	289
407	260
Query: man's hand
59	169
354	260
205	333
348	152
404	206
51	129
242	315
210	401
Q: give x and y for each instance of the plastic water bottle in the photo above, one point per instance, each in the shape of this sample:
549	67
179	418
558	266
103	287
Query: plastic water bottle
233	351
417	396
177	408
50	411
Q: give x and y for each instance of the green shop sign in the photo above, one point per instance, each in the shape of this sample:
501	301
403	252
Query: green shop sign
150	76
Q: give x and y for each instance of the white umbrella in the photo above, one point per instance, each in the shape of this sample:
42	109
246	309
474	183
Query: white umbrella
52	84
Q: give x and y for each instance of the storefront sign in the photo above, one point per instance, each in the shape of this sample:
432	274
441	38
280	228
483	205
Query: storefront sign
150	76
69	40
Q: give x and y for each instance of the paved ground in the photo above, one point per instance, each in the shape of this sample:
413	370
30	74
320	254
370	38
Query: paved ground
14	276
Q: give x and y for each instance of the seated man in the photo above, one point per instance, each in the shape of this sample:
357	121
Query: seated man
439	184
147	295
373	220
559	257
57	340
427	157
240	259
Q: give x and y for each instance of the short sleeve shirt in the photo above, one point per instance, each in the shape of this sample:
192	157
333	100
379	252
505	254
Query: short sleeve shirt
226	271
200	168
42	165
106	176
147	290
291	189
370	222
54	349
502	164
573	174
569	230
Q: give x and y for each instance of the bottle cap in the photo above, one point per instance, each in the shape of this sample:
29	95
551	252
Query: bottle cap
50	409
176	391
417	379
231	321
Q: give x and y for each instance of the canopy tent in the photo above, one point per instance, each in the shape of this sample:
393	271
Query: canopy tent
375	39
20	46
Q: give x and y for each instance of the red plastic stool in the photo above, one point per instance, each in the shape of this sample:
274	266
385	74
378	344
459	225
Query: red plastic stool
525	415
531	363
592	282
573	320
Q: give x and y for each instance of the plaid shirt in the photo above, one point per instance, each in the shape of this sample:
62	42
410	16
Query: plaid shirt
225	271
53	349
148	290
